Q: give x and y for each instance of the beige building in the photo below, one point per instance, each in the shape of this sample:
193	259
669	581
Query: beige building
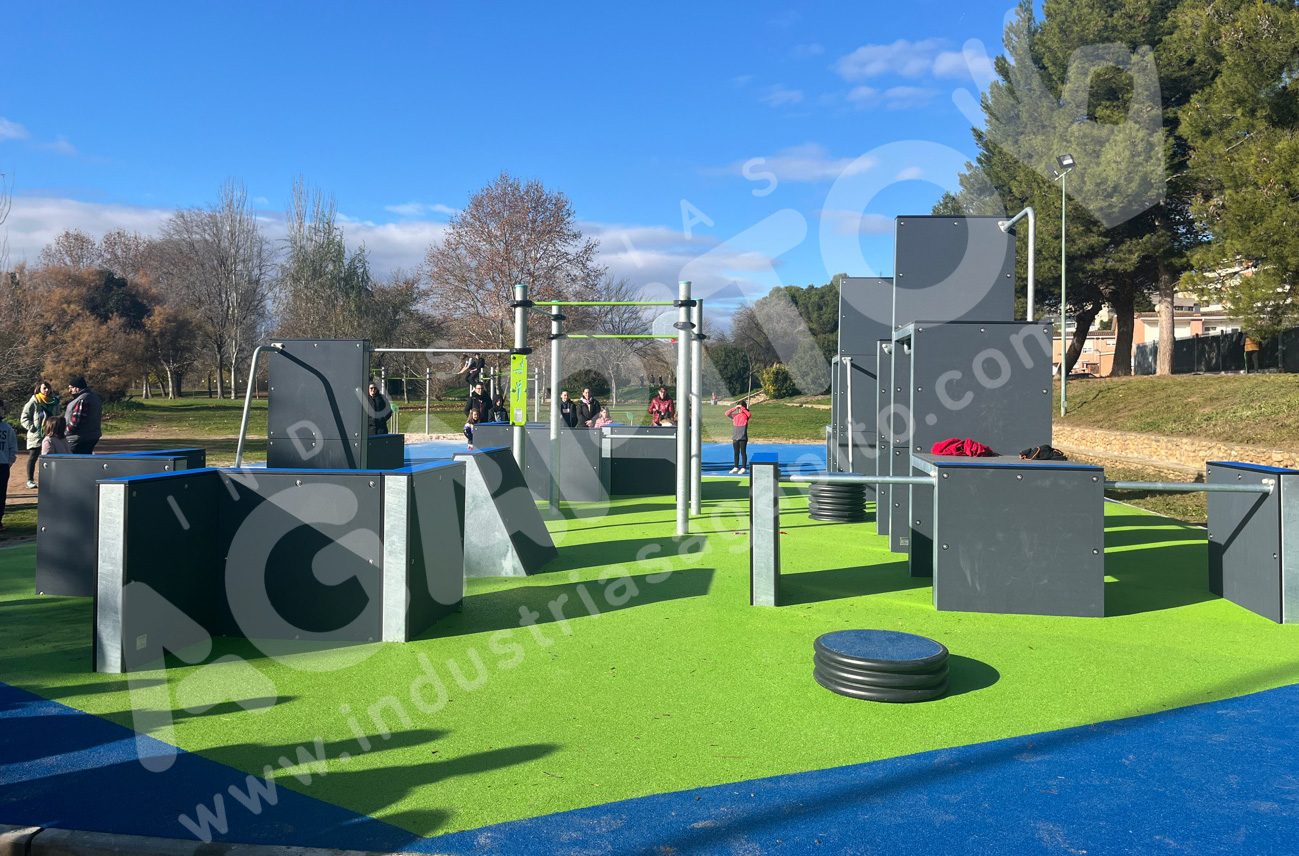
1189	319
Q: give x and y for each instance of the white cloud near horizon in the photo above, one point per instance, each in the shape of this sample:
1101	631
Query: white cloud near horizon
651	257
924	58
421	209
808	162
10	130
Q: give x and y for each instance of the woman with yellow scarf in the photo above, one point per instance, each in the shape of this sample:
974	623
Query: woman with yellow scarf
43	403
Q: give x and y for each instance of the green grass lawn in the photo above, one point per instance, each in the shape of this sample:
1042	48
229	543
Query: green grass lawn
660	676
1254	408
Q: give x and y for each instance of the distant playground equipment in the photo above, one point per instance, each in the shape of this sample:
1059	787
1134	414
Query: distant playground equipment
997	534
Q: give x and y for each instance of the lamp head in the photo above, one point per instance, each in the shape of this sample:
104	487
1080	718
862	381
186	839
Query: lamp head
1066	162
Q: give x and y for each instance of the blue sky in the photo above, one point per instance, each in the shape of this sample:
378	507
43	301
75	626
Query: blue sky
113	115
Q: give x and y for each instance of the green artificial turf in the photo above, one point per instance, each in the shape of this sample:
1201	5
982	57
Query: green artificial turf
677	682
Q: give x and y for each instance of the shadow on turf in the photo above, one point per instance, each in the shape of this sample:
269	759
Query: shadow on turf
1172	570
857	581
500	610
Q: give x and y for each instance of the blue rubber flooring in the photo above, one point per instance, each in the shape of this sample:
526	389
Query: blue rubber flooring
1215	778
717	457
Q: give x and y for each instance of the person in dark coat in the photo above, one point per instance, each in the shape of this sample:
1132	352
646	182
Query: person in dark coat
588	409
567	410
379	408
479	401
85	415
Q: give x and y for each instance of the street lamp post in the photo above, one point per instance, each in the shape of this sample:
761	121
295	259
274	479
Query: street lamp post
1067	164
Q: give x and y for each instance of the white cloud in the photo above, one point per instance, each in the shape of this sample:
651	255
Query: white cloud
780	95
910	173
808	162
857	222
60	146
11	130
904	97
420	209
909	59
972	64
863	96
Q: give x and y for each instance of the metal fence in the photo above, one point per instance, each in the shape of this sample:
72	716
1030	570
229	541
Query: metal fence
1222	352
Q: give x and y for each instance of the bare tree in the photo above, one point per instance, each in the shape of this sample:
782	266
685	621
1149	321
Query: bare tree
510	232
219	260
72	249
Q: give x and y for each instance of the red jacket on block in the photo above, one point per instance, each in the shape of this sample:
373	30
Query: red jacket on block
966	448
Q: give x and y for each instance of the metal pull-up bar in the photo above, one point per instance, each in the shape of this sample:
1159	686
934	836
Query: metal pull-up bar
1265	487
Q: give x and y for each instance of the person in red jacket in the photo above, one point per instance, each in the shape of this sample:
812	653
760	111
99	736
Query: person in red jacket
662	409
740	416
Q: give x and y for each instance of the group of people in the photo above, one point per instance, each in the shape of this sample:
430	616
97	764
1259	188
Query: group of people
586	412
51	430
482	407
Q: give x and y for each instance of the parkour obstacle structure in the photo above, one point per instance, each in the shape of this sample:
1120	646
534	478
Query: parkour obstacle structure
997	534
335	541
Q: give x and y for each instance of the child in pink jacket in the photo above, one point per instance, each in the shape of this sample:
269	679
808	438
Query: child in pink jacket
740	436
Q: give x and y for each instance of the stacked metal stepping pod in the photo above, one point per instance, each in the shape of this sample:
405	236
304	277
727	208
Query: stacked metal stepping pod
880	665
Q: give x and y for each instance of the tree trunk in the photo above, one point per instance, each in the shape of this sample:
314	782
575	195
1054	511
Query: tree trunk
220	374
1167	289
171	382
1123	302
1082	325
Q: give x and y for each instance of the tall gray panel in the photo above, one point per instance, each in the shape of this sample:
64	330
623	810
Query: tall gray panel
303	554
1247	550
639	460
581	478
865	313
894	423
883	463
316	412
435	581
989	381
1020	537
953	268
65	538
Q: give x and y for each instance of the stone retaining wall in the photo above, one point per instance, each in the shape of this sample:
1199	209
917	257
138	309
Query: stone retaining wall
1176	453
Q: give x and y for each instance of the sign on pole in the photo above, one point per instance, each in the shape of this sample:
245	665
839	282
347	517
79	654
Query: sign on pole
518	389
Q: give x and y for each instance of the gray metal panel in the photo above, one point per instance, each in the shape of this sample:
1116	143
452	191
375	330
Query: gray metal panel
764	534
438	544
1025	537
989	381
396	555
65	536
580	456
865	312
864	389
953	268
895	424
1288	486
303	555
884	448
318	396
111	548
1245	540
385	452
508	536
641	460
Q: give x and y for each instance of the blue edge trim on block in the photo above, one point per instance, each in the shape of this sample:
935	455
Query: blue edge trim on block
1210	778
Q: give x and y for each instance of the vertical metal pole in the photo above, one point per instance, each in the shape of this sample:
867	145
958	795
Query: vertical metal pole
1064	305
852	438
428	383
556	331
520	344
696	409
683	326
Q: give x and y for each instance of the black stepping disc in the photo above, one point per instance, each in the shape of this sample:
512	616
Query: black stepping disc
878	694
854	675
881	651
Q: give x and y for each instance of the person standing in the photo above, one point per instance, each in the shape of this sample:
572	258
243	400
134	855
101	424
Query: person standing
499	412
55	442
479	402
43	403
588	408
85	414
740	416
662	409
8	454
379	408
567	409
1252	347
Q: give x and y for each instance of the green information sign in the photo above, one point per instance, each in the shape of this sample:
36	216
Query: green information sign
518	389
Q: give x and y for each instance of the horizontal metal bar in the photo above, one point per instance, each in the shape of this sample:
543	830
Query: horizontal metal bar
853	478
604	303
1189	487
615	336
440	350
